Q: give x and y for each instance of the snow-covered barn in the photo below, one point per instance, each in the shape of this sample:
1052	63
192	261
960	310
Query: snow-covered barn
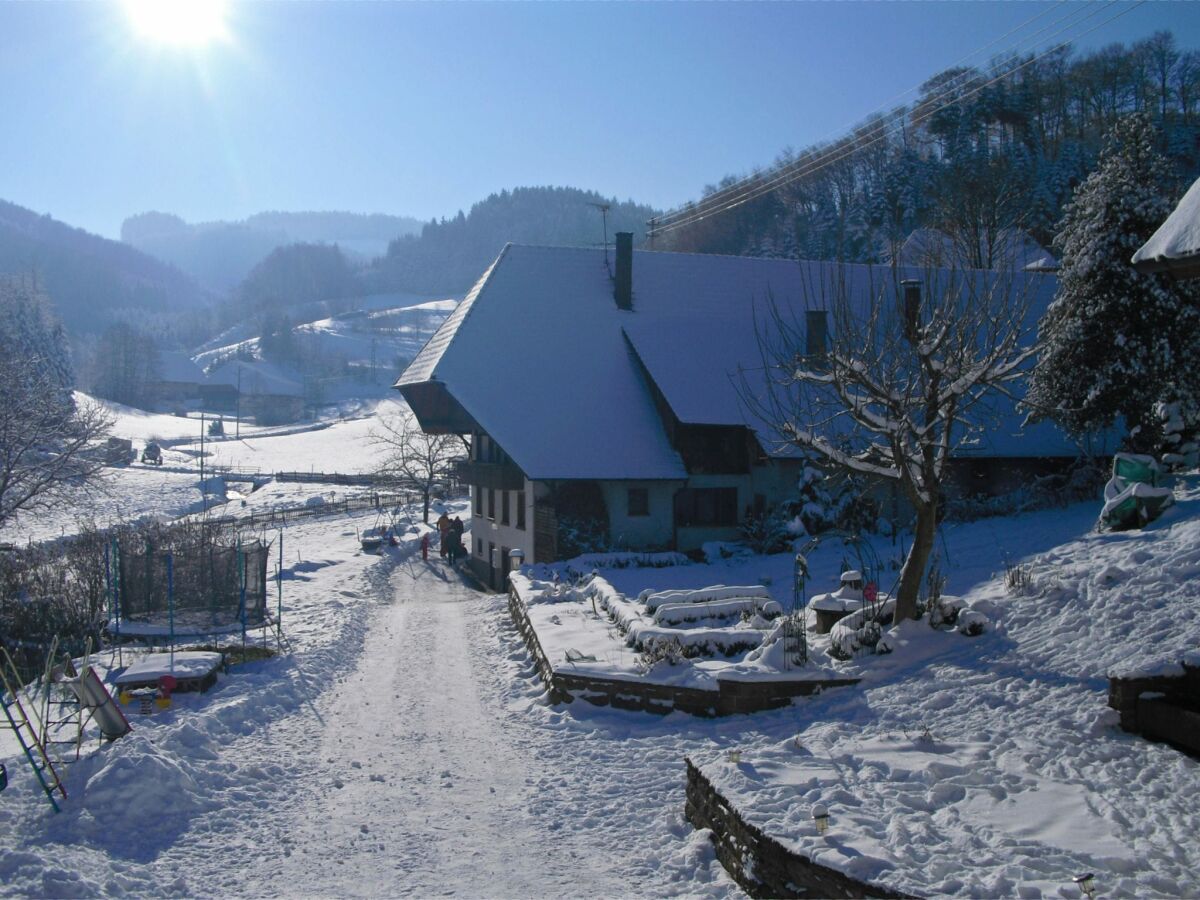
613	385
1175	246
179	378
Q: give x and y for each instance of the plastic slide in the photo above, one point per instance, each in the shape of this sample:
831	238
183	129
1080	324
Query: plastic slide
94	696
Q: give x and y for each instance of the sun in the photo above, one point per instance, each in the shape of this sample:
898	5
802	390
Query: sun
191	23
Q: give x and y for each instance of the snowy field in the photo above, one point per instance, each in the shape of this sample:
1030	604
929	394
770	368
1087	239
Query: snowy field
335	446
124	494
138	491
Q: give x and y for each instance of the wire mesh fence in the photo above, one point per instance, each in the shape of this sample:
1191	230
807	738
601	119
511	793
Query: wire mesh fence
194	577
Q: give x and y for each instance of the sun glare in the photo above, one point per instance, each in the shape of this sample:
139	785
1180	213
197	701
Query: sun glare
192	23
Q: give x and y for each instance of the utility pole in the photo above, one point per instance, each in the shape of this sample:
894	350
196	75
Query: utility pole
203	493
237	409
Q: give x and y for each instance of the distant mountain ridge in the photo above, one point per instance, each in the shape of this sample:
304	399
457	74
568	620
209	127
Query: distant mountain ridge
90	280
221	254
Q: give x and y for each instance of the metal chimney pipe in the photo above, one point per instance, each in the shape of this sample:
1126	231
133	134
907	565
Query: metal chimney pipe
623	282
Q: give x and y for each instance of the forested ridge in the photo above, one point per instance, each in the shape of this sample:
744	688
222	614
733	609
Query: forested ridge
92	281
450	254
979	151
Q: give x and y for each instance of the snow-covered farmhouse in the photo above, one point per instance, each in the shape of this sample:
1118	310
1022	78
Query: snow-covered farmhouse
606	386
1175	246
179	378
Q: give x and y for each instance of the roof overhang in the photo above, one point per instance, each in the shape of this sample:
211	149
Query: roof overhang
1181	268
436	409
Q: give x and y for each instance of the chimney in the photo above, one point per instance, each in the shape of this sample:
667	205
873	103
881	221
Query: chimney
912	307
623	284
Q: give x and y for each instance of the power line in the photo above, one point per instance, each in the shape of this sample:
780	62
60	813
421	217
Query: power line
753	187
754	182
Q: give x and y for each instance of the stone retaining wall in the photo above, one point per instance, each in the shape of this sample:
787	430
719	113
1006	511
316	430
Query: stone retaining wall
1173	716
761	865
731	697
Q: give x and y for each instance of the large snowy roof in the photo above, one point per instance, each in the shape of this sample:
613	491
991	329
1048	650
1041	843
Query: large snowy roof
257	377
175	365
1176	244
541	357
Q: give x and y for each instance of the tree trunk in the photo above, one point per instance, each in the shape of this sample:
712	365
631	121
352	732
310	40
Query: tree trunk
914	566
425	499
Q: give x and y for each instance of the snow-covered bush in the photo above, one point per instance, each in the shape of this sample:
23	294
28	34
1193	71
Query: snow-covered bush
972	623
1018	579
946	611
578	536
826	500
669	652
1180	428
859	631
770	532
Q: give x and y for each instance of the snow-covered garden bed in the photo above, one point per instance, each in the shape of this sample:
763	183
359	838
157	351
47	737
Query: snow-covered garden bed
994	767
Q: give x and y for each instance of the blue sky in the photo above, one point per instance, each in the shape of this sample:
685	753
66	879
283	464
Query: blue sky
423	108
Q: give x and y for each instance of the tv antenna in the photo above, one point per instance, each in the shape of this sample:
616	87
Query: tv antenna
604	208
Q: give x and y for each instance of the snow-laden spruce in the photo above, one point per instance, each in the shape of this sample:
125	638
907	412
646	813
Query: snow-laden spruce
1116	342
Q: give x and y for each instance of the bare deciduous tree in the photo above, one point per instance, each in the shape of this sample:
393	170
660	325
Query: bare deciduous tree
901	383
50	446
413	458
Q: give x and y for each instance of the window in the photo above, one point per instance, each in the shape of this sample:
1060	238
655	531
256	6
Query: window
477	492
699	507
504	508
478	547
521	510
492	503
639	502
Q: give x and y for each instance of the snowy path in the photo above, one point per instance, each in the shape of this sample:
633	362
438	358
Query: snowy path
434	767
425	788
406	750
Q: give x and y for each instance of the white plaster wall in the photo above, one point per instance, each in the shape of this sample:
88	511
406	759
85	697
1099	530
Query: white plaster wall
640	532
488	530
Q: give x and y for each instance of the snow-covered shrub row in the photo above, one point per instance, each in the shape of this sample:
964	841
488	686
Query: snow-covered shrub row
583	565
679	613
643	635
654	599
1082	482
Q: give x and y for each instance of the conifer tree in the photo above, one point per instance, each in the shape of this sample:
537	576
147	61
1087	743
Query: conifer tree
1116	341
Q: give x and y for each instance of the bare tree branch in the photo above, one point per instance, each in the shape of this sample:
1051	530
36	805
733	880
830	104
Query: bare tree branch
413	459
890	397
